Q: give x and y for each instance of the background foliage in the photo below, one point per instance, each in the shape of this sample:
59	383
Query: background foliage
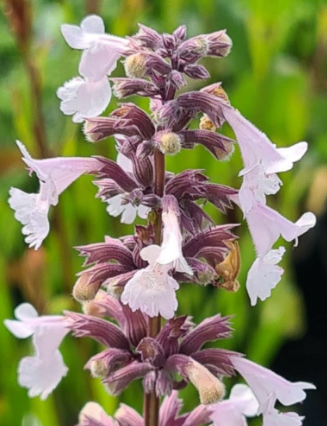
275	75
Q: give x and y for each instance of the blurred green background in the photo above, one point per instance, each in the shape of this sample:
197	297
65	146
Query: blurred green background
276	75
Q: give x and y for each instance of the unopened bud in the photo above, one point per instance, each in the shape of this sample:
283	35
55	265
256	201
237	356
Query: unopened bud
224	155
170	143
207	124
90	136
216	90
83	290
99	368
113	289
210	388
224	38
92	307
135	65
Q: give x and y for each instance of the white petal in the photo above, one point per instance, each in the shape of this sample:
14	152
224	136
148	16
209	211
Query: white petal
269	386
41	376
19	329
143	211
153	292
150	253
276	418
290	155
83	98
25	311
98	62
115	207
93	24
129	214
225	414
244	400
264	275
32	212
48	336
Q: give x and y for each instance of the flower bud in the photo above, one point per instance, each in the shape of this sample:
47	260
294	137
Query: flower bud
90	135
84	290
216	90
99	368
92	307
207	124
170	143
210	388
224	155
135	65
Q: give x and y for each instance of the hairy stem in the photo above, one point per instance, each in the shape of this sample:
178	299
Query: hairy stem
151	401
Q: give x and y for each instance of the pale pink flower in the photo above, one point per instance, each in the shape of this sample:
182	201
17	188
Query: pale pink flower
272	417
257	149
83	98
152	289
255	186
268	386
42	372
232	412
276	418
171	247
264	275
266	226
55	175
89	96
127	210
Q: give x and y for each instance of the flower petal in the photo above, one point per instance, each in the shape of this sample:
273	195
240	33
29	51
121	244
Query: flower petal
41	376
264	275
269	386
83	98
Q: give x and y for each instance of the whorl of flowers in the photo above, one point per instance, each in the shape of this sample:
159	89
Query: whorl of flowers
134	280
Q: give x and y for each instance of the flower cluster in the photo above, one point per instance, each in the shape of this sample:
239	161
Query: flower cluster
133	279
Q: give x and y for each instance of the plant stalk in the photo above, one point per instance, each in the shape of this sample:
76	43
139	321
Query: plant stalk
151	401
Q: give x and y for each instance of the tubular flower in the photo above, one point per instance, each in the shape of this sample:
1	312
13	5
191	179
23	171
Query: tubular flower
88	96
116	204
268	387
266	225
55	175
232	411
42	372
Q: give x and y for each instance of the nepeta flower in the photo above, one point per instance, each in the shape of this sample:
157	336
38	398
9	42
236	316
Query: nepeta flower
266	225
272	417
41	372
118	206
88	96
268	386
55	175
257	149
152	290
232	411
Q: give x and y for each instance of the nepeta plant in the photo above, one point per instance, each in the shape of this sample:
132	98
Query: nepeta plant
128	287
